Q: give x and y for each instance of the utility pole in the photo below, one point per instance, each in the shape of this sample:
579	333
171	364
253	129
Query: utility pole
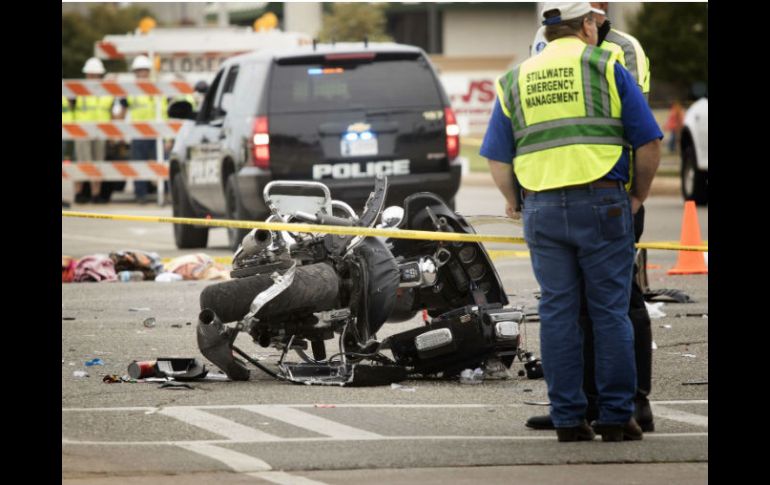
223	17
432	28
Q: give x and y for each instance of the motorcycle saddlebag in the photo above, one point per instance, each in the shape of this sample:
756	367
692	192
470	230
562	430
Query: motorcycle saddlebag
456	340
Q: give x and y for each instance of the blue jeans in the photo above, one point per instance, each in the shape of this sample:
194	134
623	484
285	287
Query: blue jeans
584	235
142	150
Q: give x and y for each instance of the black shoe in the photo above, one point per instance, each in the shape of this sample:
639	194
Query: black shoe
581	432
619	432
545	422
540	422
82	198
643	414
99	200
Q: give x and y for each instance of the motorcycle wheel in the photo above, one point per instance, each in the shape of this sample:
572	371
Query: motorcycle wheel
315	288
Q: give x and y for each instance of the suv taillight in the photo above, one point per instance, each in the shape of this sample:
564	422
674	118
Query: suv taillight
452	134
260	142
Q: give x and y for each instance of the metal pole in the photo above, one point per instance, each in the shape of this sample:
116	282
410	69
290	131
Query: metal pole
158	141
432	29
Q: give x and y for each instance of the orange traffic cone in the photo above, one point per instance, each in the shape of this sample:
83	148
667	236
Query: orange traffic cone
690	262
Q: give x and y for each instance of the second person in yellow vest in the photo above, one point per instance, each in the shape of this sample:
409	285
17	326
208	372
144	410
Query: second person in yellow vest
566	118
143	108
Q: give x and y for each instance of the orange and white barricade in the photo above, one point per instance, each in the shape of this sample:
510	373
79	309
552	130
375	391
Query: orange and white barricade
121	130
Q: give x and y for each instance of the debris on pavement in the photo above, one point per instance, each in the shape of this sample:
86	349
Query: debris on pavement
80	373
655	309
95	267
325	406
173	385
149	322
68	264
214	376
92	362
537	403
696	383
176	325
692	356
468	376
139	309
142	369
669	295
198	266
168	277
402	388
147	263
654	345
182	369
68	318
665	326
112	379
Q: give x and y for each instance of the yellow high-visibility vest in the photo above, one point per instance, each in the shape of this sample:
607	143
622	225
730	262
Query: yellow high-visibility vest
142	108
66	110
565	112
93	108
631	56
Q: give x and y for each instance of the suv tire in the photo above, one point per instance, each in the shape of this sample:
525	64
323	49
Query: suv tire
235	211
694	181
185	235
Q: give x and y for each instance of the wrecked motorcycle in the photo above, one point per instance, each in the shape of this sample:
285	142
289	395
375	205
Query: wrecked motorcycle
294	290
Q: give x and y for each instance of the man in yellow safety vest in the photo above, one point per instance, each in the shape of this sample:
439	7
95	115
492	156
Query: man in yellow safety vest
565	120
91	109
632	57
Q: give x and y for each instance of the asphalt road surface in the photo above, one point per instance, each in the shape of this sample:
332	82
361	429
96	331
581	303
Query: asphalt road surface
427	431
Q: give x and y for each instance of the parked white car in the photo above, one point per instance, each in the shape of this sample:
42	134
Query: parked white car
695	152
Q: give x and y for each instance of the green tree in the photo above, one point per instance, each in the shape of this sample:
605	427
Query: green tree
675	38
351	22
80	33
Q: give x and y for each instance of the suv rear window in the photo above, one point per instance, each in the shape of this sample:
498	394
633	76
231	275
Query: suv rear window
315	85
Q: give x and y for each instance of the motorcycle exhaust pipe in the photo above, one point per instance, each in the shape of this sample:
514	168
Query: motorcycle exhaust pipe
215	343
257	241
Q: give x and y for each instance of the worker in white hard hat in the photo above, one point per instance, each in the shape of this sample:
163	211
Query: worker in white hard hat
142	108
91	109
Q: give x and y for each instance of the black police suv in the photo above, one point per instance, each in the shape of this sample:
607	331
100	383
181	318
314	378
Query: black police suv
338	113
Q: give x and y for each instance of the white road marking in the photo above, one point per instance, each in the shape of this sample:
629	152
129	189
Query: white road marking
239	462
217	424
691	401
538	437
681	416
313	423
284	478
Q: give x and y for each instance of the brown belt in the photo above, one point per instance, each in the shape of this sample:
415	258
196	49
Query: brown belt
598	184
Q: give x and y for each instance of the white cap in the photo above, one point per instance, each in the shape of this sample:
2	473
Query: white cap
93	66
141	62
567	11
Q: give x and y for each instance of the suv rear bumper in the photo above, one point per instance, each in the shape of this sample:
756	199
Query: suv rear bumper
251	181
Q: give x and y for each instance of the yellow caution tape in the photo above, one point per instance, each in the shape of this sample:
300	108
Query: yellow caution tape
339	230
294	227
496	254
